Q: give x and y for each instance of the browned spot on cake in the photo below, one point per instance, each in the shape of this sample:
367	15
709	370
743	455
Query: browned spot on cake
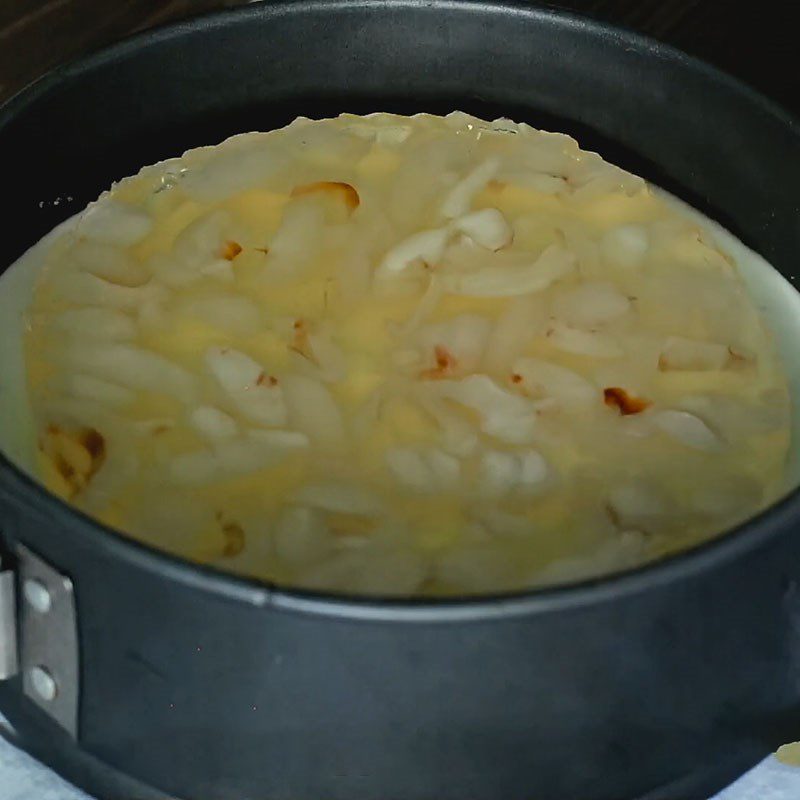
624	402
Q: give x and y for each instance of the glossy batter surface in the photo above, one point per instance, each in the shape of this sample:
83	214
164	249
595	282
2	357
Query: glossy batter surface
393	355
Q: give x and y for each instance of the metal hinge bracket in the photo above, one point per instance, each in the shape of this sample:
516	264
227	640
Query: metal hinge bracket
39	637
9	661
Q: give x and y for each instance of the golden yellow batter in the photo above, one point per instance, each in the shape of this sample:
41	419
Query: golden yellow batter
395	355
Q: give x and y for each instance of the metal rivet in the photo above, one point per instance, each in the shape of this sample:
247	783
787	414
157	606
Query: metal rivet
43	684
37	596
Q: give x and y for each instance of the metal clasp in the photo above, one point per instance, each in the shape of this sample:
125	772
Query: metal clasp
39	637
9	660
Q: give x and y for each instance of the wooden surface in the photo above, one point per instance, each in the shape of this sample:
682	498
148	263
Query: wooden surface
35	35
754	40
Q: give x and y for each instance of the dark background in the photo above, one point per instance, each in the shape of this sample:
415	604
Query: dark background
753	40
